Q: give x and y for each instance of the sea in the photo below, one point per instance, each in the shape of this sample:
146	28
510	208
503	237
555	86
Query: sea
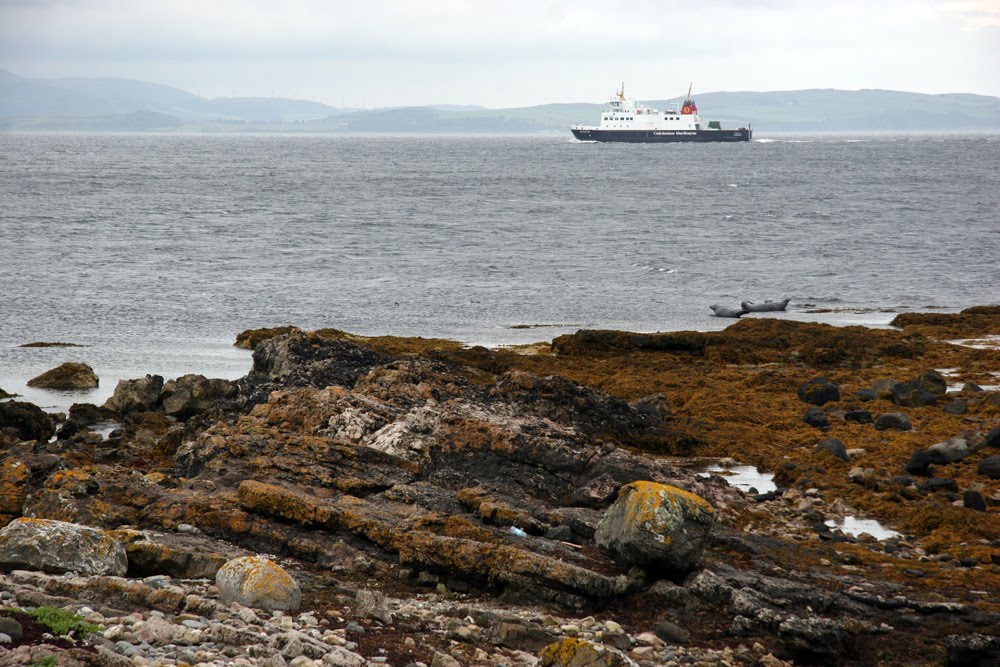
151	252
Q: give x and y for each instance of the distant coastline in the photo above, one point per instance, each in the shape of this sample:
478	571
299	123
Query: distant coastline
122	105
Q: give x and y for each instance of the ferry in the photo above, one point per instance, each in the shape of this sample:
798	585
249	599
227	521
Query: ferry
628	121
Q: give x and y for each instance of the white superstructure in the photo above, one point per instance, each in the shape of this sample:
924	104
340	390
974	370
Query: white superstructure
626	114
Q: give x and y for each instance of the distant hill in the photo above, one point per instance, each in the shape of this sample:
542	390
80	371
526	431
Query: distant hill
104	104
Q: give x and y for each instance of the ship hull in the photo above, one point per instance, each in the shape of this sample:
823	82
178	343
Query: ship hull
663	136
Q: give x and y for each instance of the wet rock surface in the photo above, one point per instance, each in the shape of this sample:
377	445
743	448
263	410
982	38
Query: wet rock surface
70	375
441	505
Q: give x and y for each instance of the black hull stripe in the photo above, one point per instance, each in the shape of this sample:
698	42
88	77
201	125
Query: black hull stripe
663	136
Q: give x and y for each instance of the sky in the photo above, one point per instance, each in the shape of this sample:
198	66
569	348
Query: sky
375	53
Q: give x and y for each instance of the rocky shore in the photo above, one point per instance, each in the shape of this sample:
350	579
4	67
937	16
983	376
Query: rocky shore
405	501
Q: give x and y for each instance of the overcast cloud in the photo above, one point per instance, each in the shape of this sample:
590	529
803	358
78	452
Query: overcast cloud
510	53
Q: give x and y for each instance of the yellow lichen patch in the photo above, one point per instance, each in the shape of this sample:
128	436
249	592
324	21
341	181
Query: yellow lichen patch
572	652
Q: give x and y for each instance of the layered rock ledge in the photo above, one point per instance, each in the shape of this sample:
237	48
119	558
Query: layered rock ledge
424	502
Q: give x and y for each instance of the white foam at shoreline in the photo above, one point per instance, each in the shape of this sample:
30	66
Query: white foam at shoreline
745	477
854	526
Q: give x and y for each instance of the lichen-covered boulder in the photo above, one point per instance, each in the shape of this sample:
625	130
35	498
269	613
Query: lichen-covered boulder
255	581
656	526
71	375
58	546
572	652
137	395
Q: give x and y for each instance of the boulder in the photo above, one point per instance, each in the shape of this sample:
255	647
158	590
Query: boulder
933	382
255	581
898	421
990	466
865	395
26	420
918	464
959	406
993	438
816	417
883	388
973	500
955	449
572	652
656	526
57	546
189	395
933	484
912	395
71	375
835	447
137	395
858	416
818	391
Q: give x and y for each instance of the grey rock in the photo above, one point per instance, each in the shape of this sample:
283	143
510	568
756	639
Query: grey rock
135	395
957	407
372	604
955	448
11	627
671	632
57	546
70	375
932	382
898	421
189	395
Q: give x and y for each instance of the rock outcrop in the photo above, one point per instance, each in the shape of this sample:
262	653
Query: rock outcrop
70	375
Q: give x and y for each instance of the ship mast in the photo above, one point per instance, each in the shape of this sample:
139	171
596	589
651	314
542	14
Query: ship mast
621	92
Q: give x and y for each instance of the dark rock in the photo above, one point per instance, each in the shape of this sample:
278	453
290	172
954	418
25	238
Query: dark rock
858	417
911	395
71	375
970	388
865	395
990	466
902	480
562	533
993	438
973	500
957	407
818	391
898	421
933	382
816	417
26	420
189	395
137	395
249	338
587	409
149	558
671	632
918	463
835	447
972	650
934	484
304	360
